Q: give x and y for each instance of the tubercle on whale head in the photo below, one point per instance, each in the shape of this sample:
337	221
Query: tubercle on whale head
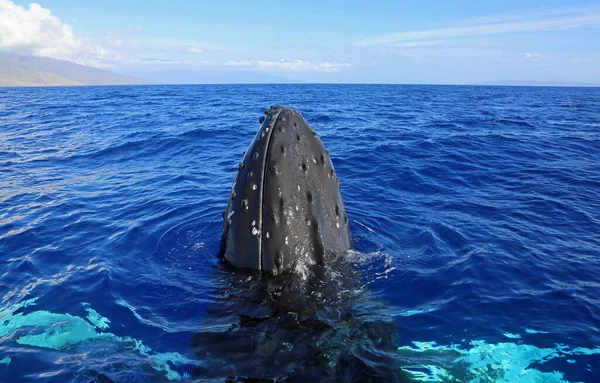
285	205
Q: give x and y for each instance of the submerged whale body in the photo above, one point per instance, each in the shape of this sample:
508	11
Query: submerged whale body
285	204
283	328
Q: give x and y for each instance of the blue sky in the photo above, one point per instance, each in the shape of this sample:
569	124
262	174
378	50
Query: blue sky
315	41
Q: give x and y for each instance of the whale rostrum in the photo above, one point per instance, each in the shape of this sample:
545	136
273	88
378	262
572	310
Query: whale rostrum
285	205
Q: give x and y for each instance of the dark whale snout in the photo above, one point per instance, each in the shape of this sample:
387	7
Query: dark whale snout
285	206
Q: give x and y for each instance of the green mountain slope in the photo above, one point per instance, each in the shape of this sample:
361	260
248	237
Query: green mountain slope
17	70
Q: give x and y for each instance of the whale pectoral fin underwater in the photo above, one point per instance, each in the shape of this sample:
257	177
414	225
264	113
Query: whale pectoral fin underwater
285	205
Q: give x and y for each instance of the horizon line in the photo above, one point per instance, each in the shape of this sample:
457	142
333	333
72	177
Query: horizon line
541	84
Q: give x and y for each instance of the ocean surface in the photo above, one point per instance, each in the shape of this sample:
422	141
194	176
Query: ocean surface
475	214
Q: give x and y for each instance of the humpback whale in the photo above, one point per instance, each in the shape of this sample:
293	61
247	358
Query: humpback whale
285	206
294	309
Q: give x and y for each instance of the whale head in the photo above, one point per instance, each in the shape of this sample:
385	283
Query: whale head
285	206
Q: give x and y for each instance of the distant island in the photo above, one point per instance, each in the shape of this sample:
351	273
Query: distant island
539	83
18	70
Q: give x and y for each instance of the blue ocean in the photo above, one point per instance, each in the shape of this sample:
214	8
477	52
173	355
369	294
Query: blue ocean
474	211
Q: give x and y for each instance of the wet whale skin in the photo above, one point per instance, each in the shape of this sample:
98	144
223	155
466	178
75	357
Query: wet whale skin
285	205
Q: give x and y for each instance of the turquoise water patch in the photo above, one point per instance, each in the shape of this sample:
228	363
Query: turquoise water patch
482	362
531	331
96	319
68	332
474	362
511	336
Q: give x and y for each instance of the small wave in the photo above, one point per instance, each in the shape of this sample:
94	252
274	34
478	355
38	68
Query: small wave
322	118
514	122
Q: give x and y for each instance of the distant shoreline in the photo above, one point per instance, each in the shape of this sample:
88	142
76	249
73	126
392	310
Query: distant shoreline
310	84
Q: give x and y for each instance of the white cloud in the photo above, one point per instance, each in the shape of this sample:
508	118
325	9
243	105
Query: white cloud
536	22
530	14
36	31
167	47
153	60
578	60
194	50
532	55
169	43
419	43
295	65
